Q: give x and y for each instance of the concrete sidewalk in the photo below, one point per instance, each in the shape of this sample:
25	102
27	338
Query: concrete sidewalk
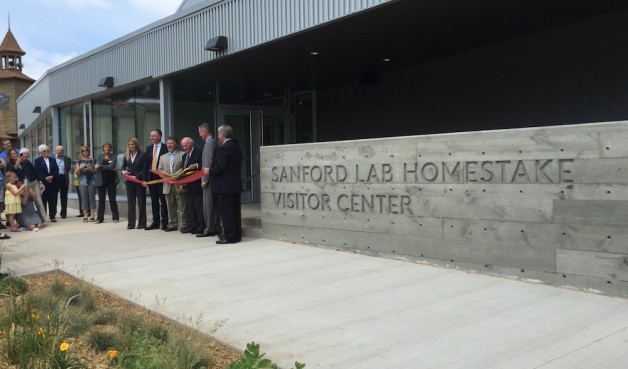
333	309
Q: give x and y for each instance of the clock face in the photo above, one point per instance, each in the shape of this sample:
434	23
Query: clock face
4	101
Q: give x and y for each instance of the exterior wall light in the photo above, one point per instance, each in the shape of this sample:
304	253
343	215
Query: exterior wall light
37	110
216	44
106	82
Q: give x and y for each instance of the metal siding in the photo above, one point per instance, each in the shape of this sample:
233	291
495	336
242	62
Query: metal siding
179	44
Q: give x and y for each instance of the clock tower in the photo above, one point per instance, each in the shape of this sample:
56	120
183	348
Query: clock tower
12	83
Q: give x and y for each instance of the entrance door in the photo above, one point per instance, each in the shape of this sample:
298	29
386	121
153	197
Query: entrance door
252	127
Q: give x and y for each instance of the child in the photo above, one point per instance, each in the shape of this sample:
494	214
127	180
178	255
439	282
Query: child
12	201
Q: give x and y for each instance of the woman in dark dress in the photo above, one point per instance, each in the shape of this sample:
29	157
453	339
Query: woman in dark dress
106	182
133	166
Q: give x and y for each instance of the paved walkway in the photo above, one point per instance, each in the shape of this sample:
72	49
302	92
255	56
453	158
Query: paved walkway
334	309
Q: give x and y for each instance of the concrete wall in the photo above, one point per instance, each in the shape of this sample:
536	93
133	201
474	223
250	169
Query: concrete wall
542	204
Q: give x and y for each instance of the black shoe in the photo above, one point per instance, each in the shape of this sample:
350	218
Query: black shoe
129	227
205	234
98	221
53	220
163	227
63	217
4	236
170	229
222	242
152	226
80	215
185	230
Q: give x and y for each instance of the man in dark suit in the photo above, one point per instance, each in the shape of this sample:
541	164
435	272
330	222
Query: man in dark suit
157	198
63	180
192	159
226	184
211	214
47	171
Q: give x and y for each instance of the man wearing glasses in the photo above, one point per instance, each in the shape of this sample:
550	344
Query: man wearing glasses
47	173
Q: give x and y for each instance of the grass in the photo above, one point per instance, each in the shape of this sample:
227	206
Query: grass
58	324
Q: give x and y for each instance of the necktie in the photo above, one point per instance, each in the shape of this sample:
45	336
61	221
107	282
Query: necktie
154	166
187	160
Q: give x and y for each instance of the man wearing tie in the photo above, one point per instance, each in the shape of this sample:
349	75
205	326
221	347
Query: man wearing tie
63	180
172	163
194	213
157	198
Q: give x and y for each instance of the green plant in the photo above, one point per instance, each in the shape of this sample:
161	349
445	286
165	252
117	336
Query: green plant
12	285
101	339
252	359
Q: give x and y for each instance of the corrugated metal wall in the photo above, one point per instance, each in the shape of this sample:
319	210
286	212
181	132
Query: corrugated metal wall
179	44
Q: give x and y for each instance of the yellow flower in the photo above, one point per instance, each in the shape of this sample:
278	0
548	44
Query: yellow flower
40	332
64	346
113	354
35	315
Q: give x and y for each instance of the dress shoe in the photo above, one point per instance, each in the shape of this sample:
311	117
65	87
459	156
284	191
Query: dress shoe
163	227
205	234
63	217
98	221
129	227
185	230
222	242
53	220
170	229
152	226
4	236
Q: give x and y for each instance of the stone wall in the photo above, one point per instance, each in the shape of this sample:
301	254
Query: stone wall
540	204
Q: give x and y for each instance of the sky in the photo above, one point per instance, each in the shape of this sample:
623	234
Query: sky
54	31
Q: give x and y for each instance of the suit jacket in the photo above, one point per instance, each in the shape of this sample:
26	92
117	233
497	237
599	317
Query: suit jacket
209	152
164	166
225	171
67	162
136	167
42	171
148	156
196	157
110	166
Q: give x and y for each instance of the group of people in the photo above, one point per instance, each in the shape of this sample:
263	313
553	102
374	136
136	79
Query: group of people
28	190
204	200
204	203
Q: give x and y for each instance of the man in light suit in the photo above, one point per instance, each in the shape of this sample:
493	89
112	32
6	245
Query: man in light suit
211	214
172	163
47	171
227	185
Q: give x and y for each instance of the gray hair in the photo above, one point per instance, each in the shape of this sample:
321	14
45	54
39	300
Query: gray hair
42	148
226	130
25	151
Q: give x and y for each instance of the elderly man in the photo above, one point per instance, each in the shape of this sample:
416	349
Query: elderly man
47	171
172	163
63	180
211	215
194	213
227	185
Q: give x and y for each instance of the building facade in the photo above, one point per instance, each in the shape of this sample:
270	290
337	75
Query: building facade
286	71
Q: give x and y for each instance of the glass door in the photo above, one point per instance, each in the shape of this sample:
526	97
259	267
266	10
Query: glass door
243	122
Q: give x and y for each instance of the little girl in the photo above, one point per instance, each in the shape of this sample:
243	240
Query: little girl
12	201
